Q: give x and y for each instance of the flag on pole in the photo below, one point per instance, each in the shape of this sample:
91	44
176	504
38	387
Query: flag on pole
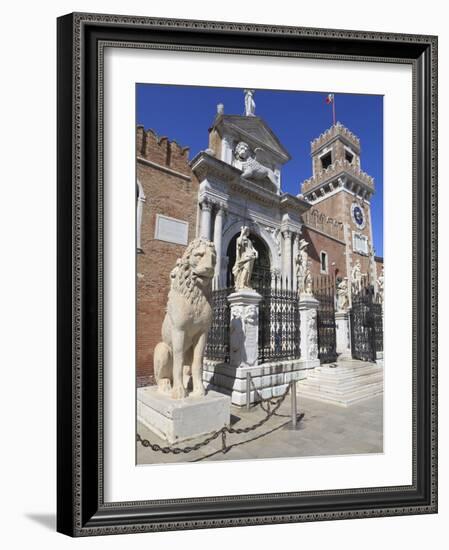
331	99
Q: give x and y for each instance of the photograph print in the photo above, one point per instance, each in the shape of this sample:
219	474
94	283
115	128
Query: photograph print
259	274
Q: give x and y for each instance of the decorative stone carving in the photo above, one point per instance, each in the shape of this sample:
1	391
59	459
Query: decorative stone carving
312	334
250	104
179	357
245	257
252	163
303	274
244	328
308	306
342	295
275	234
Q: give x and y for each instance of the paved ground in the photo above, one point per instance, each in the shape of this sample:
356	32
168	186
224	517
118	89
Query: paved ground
324	429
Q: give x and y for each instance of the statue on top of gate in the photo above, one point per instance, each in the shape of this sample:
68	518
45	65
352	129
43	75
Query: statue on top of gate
303	275
356	278
380	287
245	257
342	295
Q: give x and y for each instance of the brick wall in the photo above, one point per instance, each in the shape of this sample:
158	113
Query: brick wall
335	252
171	189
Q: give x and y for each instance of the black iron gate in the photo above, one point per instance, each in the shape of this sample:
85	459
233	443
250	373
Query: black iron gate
366	325
324	292
279	320
217	347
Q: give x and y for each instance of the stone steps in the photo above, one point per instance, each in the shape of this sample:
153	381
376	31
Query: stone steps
343	385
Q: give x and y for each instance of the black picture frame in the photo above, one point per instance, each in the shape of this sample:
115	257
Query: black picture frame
81	510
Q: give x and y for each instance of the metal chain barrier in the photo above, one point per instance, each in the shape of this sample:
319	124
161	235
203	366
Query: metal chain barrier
268	400
223	431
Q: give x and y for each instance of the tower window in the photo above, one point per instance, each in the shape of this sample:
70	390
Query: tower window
349	156
326	160
323	262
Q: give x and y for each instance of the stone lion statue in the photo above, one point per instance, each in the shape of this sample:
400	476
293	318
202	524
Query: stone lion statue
252	165
179	357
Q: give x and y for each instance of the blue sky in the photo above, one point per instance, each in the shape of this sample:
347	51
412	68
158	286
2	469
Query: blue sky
184	114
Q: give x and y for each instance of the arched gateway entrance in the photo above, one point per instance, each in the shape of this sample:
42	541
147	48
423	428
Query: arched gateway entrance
278	314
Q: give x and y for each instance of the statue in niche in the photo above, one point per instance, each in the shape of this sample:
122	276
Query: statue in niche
250	104
342	295
303	275
245	257
252	164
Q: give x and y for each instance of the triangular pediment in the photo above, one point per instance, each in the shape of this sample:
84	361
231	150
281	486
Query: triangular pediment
255	130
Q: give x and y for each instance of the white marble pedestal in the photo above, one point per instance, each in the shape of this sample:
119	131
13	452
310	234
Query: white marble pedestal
343	335
244	328
177	420
308	306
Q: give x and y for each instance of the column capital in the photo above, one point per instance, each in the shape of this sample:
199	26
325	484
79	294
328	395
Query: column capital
206	204
287	233
222	209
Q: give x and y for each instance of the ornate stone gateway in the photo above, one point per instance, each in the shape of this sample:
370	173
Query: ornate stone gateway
366	325
324	292
279	316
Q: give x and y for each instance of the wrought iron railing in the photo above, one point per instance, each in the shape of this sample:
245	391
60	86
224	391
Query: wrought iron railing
366	325
279	321
324	291
217	347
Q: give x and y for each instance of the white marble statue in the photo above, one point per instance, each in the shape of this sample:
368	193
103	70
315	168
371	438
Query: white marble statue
356	278
303	274
251	164
179	357
245	257
343	295
380	287
250	104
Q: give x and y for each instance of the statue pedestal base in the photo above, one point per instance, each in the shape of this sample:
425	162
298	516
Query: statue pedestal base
343	335
268	380
177	420
244	329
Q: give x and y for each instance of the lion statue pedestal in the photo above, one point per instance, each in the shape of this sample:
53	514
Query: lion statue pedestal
176	420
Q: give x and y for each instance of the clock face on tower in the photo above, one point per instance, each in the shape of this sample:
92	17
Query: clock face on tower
358	216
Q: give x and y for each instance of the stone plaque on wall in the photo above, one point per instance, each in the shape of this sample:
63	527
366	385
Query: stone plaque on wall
171	230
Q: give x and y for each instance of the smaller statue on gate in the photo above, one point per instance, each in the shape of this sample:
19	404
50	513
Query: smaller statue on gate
380	287
303	275
245	257
356	278
342	295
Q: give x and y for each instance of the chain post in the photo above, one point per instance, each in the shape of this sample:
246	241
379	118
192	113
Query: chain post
293	404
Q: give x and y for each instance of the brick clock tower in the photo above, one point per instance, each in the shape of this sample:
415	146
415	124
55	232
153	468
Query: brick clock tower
340	194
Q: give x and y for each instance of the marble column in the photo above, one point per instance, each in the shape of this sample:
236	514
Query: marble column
206	210
287	259
244	328
308	306
218	237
